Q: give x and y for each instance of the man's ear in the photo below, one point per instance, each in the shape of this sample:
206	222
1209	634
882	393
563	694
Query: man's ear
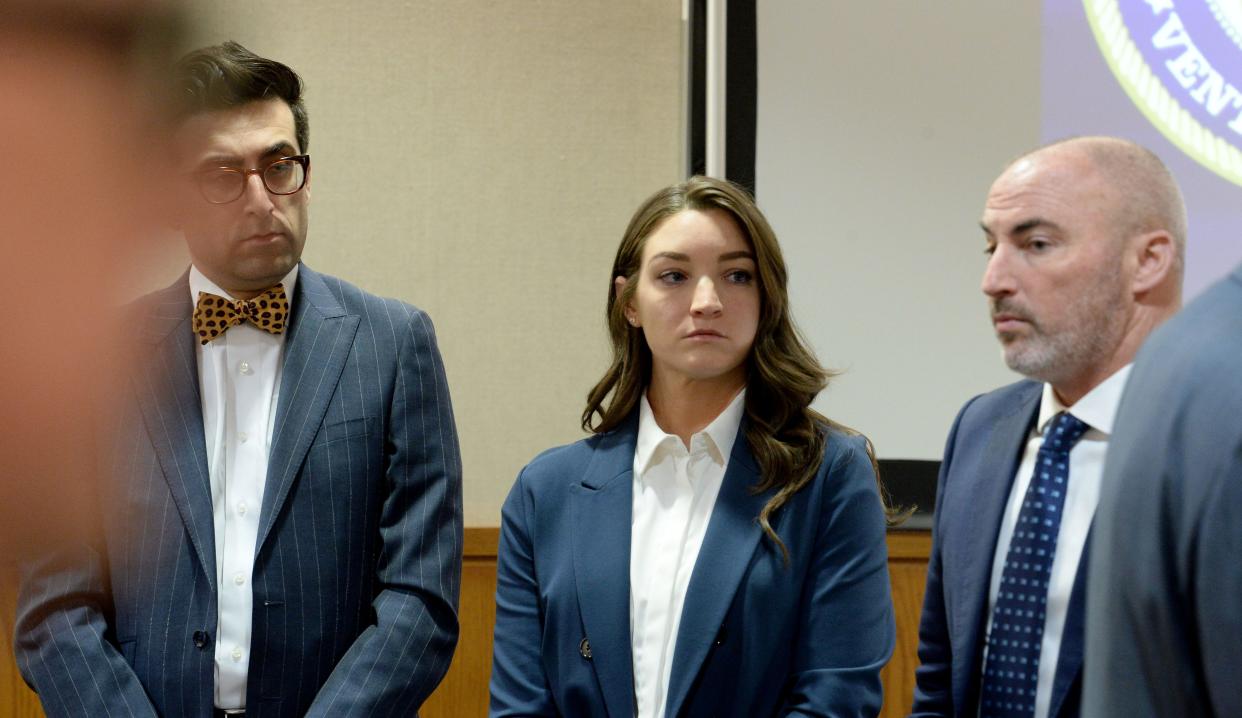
618	288
1156	255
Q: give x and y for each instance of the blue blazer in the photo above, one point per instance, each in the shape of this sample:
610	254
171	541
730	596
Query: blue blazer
358	559
757	637
981	458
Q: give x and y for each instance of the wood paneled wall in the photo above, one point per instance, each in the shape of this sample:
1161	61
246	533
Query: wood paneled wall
464	691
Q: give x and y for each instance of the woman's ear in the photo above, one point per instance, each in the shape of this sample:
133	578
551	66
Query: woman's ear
618	288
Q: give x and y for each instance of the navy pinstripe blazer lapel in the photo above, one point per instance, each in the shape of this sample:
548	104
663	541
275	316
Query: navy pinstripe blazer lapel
321	335
172	411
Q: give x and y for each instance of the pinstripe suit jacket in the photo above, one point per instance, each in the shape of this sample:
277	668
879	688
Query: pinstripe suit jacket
358	561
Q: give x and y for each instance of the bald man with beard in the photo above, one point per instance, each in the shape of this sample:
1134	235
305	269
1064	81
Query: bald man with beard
1085	240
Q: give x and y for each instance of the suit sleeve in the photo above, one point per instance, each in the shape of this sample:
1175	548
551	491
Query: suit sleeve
847	632
62	641
933	687
1163	633
1217	573
519	686
395	664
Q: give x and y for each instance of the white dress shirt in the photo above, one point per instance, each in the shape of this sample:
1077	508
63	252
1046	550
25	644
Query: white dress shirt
1097	410
675	491
239	382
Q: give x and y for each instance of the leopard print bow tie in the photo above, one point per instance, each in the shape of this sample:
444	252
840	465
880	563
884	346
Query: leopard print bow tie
214	314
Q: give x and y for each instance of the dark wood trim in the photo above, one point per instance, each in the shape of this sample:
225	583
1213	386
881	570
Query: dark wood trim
741	93
741	87
481	543
696	89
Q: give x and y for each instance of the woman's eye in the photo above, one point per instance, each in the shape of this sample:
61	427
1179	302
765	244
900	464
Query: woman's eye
672	276
740	276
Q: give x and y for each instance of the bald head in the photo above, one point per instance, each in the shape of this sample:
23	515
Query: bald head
1143	197
1085	238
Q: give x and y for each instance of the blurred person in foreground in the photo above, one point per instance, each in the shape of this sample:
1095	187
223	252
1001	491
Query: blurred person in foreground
280	517
1085	240
77	124
1164	606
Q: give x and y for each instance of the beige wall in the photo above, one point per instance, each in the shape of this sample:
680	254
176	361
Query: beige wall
481	159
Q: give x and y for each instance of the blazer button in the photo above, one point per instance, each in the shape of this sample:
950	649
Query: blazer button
584	649
201	639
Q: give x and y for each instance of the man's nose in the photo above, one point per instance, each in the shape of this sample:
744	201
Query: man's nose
998	280
255	194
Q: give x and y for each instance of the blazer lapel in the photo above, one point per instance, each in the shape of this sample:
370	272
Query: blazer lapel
603	511
321	335
1002	455
732	537
173	414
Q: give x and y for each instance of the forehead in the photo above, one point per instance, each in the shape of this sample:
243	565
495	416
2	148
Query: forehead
697	232
244	132
1060	188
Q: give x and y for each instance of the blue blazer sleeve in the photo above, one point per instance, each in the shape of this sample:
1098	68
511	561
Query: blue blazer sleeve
846	631
62	644
395	664
933	690
518	686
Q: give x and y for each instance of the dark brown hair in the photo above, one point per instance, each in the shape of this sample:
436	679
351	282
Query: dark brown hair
786	436
228	75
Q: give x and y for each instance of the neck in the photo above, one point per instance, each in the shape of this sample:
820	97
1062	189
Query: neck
247	290
244	293
684	406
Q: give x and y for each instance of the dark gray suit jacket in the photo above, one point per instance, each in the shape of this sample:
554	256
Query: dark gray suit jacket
1165	609
358	560
981	458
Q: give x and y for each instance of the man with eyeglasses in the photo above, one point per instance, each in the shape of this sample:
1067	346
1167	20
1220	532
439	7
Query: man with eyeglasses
280	516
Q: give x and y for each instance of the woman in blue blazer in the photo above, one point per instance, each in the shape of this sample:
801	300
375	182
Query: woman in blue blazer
716	547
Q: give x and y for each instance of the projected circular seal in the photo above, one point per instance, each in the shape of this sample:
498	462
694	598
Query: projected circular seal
1180	61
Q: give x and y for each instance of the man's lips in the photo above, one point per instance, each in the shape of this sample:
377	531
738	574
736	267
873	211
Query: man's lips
1008	322
263	238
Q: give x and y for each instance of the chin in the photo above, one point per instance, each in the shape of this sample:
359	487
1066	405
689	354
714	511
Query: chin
712	371
263	267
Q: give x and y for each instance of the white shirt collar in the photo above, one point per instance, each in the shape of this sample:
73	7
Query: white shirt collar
718	436
200	283
1098	409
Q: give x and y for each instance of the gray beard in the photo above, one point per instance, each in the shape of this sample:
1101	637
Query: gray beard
1096	328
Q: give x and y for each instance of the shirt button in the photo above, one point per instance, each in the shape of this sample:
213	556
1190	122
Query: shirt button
242	436
237	654
241	508
239	578
244	368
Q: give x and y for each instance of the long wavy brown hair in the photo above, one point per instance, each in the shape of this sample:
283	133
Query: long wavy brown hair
783	432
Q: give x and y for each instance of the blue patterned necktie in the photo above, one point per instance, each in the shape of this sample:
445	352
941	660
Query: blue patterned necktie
1012	671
